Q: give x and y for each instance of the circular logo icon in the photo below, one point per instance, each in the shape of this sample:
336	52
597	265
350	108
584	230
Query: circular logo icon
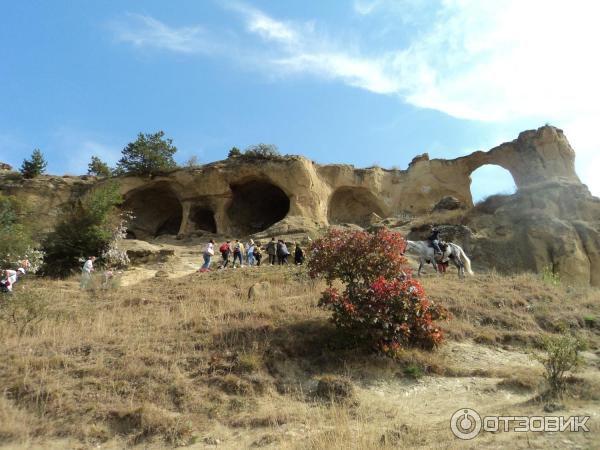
465	423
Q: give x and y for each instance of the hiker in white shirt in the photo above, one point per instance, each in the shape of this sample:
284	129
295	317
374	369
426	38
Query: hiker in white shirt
209	252
9	278
86	272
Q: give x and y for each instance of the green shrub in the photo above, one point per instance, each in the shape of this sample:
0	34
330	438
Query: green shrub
86	230
262	151
413	370
561	356
549	276
23	310
99	168
16	241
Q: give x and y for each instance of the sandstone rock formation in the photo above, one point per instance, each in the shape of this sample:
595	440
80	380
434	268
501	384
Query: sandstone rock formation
295	196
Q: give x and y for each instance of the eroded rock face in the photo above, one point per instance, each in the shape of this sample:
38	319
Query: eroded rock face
296	196
553	226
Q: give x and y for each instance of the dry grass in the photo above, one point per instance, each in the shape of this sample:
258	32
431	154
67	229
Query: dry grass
173	362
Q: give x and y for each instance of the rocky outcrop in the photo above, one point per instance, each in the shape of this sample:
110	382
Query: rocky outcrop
296	197
552	226
241	196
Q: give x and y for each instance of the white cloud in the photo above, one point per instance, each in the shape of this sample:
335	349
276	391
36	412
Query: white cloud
301	48
487	61
481	60
145	31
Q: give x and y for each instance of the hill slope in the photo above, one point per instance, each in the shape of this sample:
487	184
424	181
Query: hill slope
193	361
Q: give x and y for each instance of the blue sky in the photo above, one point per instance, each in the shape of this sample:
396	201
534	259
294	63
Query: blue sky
358	81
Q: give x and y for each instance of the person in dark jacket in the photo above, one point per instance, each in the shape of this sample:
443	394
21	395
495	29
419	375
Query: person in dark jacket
298	255
257	254
434	238
272	251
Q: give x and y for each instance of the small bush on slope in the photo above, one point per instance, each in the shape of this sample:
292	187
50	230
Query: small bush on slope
380	304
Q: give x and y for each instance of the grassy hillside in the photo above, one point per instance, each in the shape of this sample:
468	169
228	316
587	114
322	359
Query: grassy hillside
192	361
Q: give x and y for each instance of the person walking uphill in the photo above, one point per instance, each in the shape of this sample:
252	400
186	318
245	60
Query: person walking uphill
250	247
209	252
86	272
238	252
272	251
298	255
9	278
257	254
225	250
282	252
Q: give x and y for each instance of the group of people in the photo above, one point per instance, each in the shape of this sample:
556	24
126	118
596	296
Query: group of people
251	254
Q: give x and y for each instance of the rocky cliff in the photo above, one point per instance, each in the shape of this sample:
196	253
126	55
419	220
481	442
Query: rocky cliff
554	225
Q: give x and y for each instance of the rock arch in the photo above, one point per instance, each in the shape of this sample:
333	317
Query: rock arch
156	209
491	179
353	205
256	205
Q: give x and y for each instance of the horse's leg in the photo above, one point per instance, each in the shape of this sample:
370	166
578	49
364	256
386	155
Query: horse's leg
420	266
460	266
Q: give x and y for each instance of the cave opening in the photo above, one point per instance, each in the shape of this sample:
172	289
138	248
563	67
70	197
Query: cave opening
353	205
203	219
256	205
156	210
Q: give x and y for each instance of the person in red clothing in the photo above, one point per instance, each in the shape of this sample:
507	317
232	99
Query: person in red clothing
225	250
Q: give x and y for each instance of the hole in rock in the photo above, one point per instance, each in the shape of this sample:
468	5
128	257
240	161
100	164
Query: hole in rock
157	211
203	219
256	205
489	180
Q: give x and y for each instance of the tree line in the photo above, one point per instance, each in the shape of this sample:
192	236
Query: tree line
149	154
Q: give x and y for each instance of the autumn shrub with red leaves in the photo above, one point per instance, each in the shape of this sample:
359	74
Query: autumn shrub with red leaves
381	303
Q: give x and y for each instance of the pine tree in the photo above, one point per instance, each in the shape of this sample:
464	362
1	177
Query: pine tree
234	152
35	166
148	155
98	168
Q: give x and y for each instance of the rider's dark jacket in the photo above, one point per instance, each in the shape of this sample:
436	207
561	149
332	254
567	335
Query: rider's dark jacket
434	236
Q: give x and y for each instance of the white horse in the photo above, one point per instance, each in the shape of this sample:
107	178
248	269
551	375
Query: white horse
453	253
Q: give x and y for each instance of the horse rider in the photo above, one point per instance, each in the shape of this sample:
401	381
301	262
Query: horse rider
434	239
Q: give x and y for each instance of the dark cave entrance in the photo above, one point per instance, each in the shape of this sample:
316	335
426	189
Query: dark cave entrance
203	219
353	205
156	210
256	205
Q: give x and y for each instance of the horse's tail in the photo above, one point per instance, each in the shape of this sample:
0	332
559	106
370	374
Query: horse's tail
466	259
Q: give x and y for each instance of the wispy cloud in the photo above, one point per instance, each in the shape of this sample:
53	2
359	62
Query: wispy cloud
366	7
486	61
299	47
78	146
145	31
